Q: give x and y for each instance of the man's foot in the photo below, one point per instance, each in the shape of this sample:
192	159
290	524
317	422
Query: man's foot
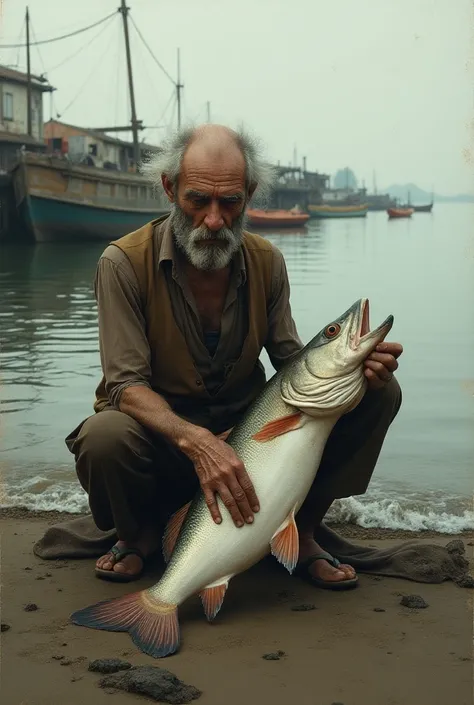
321	568
126	560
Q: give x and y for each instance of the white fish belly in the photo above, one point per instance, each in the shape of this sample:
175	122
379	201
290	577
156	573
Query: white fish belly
282	471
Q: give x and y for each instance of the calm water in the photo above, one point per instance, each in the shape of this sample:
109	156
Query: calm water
421	270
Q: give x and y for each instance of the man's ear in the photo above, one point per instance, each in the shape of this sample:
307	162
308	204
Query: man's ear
168	187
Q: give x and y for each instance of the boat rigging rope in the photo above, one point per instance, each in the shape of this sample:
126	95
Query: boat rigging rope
63	36
152	54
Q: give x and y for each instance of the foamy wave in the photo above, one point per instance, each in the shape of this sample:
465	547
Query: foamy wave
398	514
370	512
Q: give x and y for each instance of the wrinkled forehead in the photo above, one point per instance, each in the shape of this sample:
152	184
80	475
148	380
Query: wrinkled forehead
214	165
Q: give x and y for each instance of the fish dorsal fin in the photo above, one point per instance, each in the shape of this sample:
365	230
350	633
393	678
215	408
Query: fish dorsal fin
212	596
284	543
276	428
172	531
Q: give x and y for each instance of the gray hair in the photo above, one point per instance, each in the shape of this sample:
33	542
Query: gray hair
169	158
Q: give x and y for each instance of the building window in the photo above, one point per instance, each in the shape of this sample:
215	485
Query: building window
8	106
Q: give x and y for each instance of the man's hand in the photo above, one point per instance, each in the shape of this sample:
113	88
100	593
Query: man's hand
381	364
220	471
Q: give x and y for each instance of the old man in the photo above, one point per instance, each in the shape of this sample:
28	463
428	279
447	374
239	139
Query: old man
186	304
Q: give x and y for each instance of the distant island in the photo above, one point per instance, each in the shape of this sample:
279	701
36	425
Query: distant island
420	196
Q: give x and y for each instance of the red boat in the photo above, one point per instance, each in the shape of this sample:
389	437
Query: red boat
400	212
276	218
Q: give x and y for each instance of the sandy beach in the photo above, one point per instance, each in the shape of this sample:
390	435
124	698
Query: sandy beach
360	647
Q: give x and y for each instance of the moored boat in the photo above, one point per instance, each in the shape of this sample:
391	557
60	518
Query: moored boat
276	218
60	201
327	211
400	212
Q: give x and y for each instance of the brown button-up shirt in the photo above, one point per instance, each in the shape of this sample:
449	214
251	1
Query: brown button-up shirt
124	348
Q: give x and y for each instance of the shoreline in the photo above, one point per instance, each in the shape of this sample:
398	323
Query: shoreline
350	531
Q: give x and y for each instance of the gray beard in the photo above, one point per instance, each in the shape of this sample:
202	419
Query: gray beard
206	257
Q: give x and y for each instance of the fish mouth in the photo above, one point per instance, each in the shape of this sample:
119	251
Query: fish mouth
363	334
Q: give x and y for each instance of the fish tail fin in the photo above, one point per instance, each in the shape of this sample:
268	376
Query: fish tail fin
152	625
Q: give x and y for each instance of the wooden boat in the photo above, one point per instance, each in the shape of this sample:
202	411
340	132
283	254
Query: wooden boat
400	212
276	218
327	211
60	201
427	208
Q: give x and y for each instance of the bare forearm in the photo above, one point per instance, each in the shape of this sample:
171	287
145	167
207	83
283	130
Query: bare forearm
153	411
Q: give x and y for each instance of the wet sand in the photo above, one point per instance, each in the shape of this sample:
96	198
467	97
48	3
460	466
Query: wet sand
360	647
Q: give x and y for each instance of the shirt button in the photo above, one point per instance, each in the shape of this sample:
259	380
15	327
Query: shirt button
198	382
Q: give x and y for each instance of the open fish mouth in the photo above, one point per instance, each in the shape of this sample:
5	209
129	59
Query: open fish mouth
363	333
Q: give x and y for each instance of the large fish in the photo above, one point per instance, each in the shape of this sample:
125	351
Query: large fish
280	441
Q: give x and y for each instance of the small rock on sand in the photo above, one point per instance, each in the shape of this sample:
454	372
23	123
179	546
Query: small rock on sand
154	682
303	608
379	609
466	581
31	607
5	627
109	665
414	601
274	656
57	657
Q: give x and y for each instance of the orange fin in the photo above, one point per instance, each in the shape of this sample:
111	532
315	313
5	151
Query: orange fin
153	625
278	427
172	531
284	543
212	597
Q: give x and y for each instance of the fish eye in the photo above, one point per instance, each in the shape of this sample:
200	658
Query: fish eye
332	330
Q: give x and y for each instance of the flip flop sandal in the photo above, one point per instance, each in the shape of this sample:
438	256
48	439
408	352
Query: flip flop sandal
113	575
302	571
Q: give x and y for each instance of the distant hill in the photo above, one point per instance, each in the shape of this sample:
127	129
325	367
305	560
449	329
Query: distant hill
420	196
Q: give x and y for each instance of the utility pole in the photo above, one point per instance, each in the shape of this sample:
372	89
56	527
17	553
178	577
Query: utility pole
28	72
179	86
136	147
208	111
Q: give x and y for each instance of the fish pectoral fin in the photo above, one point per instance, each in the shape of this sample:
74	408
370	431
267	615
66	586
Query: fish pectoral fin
172	530
212	597
285	544
278	427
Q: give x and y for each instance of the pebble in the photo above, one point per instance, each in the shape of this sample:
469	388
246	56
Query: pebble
275	656
28	568
303	608
109	665
414	602
379	609
31	607
57	657
5	627
65	662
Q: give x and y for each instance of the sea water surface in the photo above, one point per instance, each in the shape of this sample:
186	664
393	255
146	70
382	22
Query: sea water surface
421	270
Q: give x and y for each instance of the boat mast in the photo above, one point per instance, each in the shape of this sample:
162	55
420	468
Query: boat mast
136	147
179	86
28	73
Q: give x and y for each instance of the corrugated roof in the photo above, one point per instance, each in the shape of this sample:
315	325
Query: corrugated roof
103	136
20	139
19	77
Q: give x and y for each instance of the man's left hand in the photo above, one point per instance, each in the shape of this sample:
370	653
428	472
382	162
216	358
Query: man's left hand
381	364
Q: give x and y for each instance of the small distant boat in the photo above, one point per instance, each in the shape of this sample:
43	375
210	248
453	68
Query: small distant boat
327	211
427	208
400	212
276	218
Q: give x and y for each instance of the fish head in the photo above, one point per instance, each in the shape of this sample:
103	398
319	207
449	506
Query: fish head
327	376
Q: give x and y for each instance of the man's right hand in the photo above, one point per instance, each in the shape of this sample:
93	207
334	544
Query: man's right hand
221	472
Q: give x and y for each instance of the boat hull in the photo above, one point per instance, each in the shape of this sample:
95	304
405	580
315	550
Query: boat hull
400	212
338	211
54	220
276	219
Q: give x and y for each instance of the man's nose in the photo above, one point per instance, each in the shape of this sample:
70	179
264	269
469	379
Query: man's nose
214	220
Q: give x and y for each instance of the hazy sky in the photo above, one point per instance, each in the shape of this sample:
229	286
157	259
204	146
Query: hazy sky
384	85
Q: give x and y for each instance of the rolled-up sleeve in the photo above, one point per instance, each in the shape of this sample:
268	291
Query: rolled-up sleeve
124	348
283	340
